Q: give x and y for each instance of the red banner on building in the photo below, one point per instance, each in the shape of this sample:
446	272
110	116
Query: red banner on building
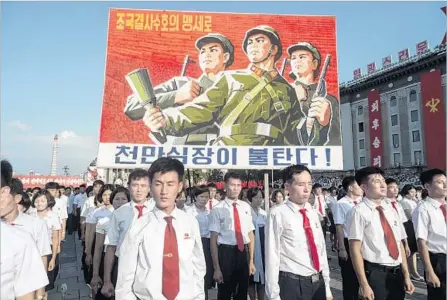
31	181
375	130
434	119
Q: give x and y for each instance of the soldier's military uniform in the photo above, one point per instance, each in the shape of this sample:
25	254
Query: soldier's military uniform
166	92
250	107
328	135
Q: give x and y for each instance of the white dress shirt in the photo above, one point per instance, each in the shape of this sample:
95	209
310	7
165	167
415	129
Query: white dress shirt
366	227
203	218
38	230
318	200
22	270
341	211
60	209
408	204
87	206
120	221
259	220
287	248
222	221
429	225
140	270
53	223
400	211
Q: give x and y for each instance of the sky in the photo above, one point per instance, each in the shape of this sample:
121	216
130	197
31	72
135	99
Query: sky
53	63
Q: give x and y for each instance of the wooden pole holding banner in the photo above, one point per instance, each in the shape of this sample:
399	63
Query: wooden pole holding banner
266	192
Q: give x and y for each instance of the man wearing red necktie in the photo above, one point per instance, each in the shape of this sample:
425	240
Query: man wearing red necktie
296	259
375	234
232	242
163	250
429	220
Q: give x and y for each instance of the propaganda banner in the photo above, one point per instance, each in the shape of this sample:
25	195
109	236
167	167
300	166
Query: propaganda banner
375	120
433	112
30	181
220	90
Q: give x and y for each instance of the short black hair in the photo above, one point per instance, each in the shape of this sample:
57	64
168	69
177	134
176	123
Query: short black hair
16	186
36	189
289	172
50	199
234	175
406	189
428	175
26	201
390	181
211	185
316	186
275	193
198	190
6	173
137	174
61	187
252	192
332	188
164	165
362	175
98	181
120	189
106	187
82	186
52	185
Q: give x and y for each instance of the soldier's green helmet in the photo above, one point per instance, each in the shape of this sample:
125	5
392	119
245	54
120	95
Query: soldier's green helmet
217	38
268	31
308	47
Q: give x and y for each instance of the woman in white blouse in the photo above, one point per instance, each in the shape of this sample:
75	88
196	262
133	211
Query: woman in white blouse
200	210
119	197
409	203
43	202
255	197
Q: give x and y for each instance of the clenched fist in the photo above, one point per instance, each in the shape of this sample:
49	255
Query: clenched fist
320	109
154	119
187	92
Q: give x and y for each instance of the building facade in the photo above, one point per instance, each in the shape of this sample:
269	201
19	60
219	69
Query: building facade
396	117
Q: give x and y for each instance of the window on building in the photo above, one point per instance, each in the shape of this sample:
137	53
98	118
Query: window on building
418	157
360	110
361	129
395	140
362	144
396	157
393	101
416	136
414	116
413	97
362	161
394	120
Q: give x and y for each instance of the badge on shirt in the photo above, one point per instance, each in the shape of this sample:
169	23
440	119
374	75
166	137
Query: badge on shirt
186	236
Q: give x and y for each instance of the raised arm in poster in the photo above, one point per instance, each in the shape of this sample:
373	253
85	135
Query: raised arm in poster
234	109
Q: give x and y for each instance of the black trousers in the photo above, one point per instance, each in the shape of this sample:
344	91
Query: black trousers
52	275
350	282
77	221
70	227
387	283
234	266
296	287
87	270
438	263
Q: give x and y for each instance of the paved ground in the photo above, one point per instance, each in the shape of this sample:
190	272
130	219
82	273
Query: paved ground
71	274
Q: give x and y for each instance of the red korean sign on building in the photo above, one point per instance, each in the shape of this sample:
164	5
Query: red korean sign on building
371	68
357	73
31	181
422	47
403	54
434	119
375	130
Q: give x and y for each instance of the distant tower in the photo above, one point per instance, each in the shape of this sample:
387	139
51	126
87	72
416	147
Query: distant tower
54	157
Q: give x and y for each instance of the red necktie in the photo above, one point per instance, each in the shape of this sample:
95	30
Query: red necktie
310	240
356	202
210	204
237	228
444	212
171	272
140	210
394	206
389	235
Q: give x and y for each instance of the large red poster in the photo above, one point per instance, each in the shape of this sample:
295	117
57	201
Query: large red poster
434	120
375	130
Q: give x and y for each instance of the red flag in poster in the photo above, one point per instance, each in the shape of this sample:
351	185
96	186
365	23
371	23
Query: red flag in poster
375	129
386	61
403	54
422	47
434	119
371	68
357	73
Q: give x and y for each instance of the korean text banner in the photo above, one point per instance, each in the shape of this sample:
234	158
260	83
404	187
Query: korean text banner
220	90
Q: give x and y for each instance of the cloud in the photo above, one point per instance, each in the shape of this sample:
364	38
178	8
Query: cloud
67	134
19	125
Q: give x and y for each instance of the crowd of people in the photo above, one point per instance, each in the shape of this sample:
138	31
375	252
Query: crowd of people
155	239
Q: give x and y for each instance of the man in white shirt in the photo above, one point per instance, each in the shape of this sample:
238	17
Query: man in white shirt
120	222
296	259
375	234
429	220
212	202
232	242
89	204
163	250
341	211
77	204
